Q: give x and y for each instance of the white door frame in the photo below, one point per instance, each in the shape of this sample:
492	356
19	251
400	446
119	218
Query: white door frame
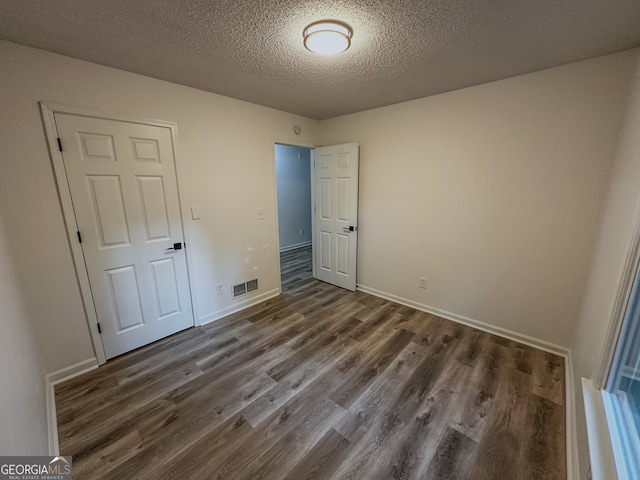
292	143
48	110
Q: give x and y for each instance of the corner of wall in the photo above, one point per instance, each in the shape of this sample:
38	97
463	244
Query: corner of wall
51	380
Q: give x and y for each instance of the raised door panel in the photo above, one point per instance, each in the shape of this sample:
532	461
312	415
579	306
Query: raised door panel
325	162
95	146
325	199
325	251
154	208
344	160
108	210
125	298
145	150
342	253
166	287
344	196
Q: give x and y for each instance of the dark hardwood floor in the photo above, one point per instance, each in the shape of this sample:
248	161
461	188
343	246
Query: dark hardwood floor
320	383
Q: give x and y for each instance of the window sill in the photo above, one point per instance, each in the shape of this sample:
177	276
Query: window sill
624	437
603	466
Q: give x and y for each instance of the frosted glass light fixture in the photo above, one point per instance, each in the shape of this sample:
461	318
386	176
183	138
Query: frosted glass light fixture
327	37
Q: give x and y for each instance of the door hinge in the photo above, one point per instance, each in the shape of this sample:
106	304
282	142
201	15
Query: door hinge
79	237
99	328
59	144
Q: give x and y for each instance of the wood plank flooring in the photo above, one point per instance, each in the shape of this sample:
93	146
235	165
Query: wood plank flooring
320	383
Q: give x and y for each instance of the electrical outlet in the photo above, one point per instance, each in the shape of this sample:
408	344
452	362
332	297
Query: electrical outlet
261	214
219	288
422	283
301	231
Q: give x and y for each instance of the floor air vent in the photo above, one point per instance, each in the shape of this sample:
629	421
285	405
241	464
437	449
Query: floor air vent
246	287
252	285
239	289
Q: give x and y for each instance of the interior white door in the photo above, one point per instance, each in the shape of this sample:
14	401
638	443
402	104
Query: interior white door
123	186
336	214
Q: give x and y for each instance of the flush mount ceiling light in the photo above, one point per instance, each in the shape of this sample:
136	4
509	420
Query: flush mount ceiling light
327	37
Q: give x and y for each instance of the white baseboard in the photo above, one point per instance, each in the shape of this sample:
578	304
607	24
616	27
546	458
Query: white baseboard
72	371
470	322
52	420
573	470
295	246
249	302
51	380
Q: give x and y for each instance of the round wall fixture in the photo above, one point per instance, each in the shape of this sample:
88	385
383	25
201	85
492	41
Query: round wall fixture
327	37
297	130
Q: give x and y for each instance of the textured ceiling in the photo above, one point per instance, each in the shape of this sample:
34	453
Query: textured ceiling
252	49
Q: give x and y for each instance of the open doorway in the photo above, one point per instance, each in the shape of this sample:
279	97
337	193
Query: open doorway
294	197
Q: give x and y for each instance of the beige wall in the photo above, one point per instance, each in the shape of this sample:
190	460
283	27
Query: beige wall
225	165
494	193
22	402
620	221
